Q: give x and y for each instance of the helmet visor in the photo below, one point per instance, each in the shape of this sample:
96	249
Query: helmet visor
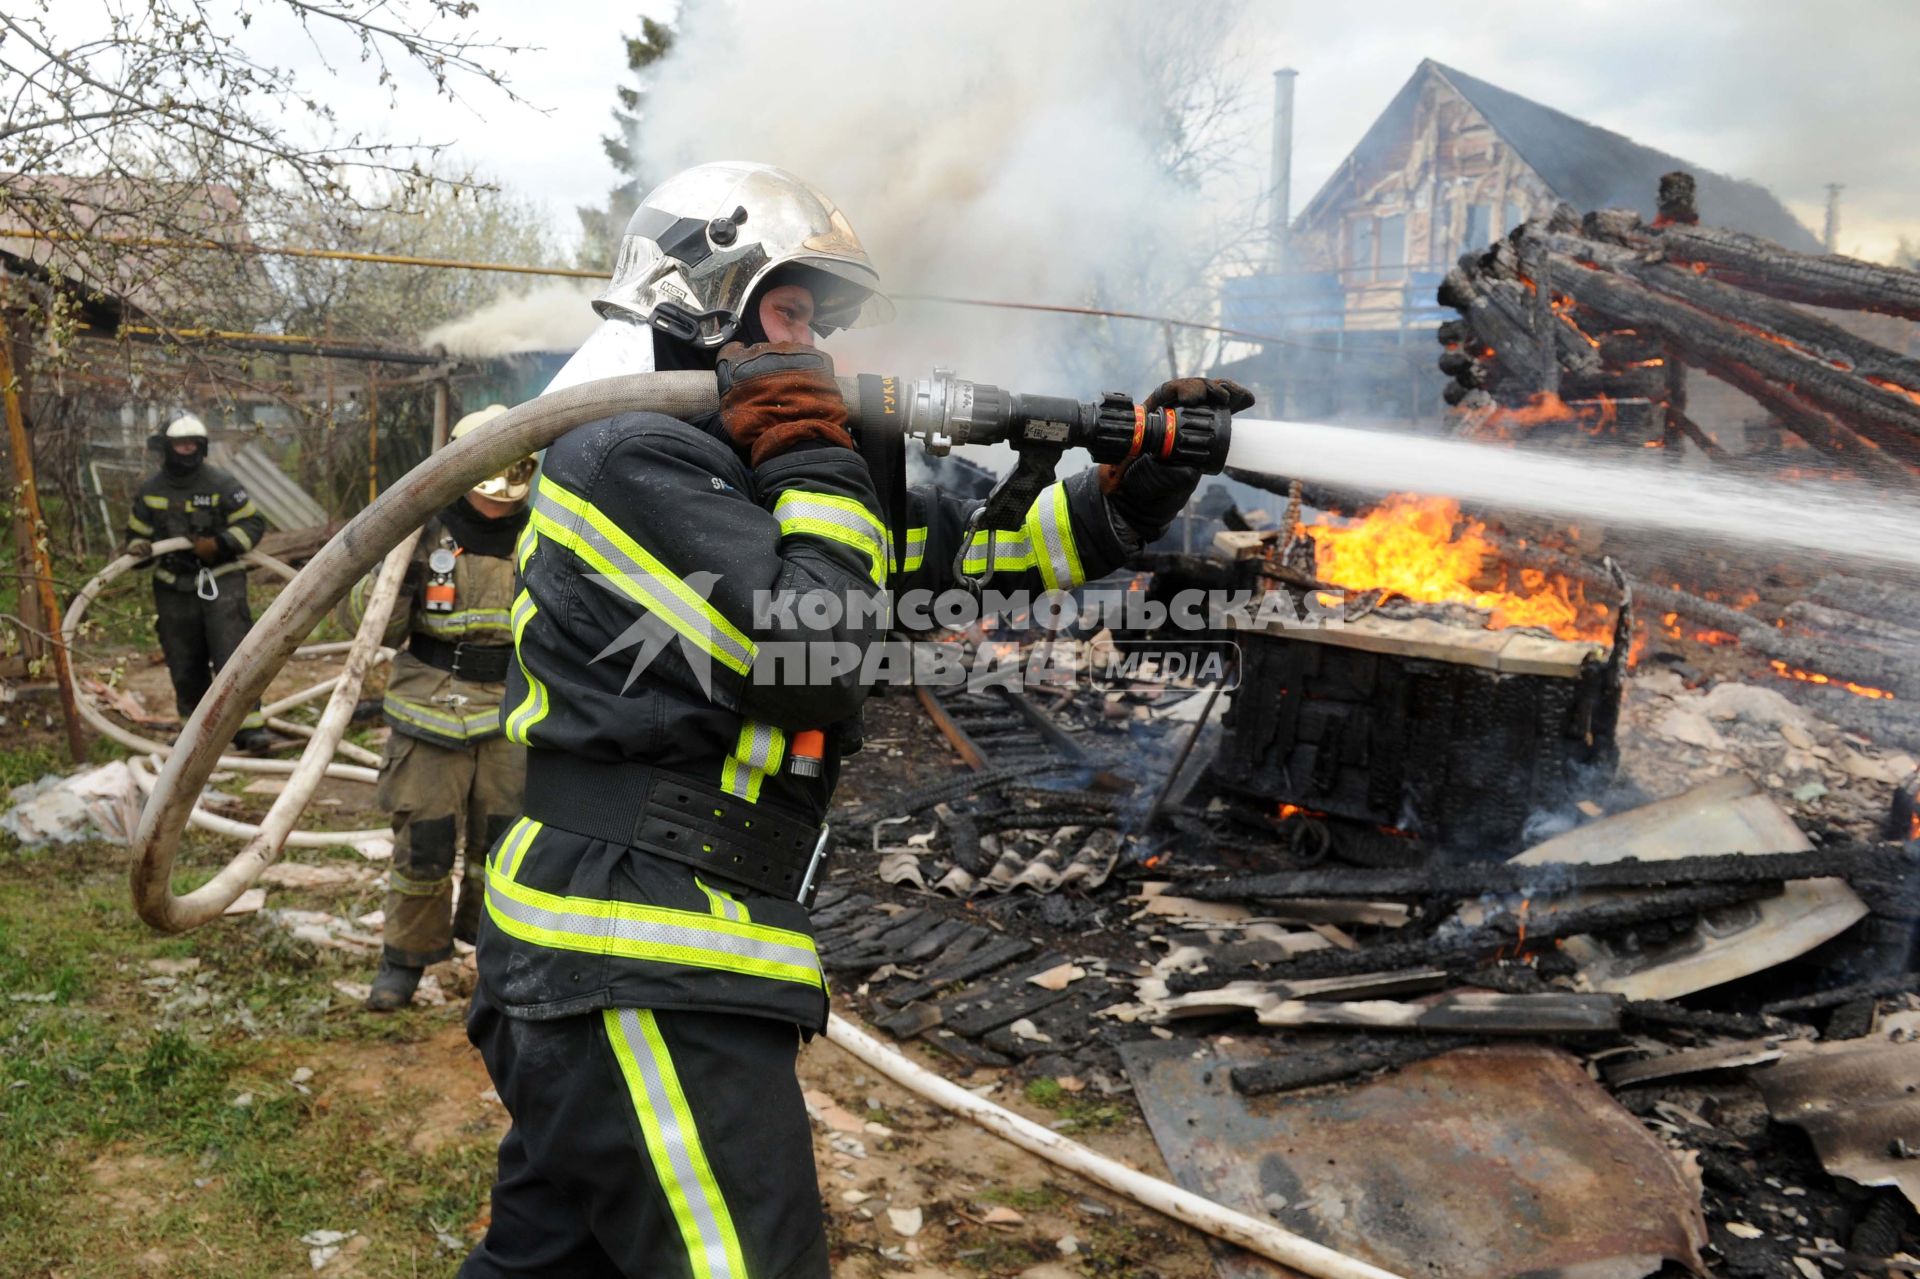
511	484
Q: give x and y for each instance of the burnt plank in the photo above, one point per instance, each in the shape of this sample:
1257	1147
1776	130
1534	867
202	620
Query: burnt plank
984	960
992	1010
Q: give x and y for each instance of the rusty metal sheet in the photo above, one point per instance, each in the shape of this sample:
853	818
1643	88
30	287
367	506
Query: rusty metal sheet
1478	1164
1859	1102
1727	815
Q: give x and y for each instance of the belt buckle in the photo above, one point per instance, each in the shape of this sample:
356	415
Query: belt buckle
810	883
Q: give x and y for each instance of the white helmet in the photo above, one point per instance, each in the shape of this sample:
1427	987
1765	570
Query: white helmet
703	241
511	484
186	427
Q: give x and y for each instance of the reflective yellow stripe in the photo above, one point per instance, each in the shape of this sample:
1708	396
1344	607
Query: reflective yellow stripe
154	502
466	621
721	903
653	934
248	508
533	708
1044	541
240	536
756	754
523	550
253	719
580	527
140	526
442	723
1049	529
838	519
673	1144
1011	551
916	550
406	887
519	835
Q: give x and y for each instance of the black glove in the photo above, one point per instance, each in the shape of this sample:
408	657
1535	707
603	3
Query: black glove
1147	495
1201	393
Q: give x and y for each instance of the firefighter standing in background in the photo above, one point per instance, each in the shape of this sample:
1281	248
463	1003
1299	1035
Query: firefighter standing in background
448	776
199	595
646	961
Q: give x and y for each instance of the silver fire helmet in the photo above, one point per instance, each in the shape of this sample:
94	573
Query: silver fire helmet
511	484
703	241
186	427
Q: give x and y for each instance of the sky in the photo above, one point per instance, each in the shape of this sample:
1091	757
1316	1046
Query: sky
1792	95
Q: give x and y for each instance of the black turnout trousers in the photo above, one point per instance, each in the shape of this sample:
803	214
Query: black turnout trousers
659	1143
198	636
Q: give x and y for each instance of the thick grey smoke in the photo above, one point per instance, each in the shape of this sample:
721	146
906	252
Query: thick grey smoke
548	317
997	148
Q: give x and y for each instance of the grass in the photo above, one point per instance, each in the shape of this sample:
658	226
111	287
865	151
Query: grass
123	1150
1077	1114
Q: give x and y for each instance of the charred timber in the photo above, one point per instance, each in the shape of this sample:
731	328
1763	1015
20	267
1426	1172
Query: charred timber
1828	280
1334	1065
1824	431
1889	417
1550	879
1460	951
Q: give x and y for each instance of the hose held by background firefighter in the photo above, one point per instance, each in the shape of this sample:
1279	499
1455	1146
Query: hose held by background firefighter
647	966
199	595
449	777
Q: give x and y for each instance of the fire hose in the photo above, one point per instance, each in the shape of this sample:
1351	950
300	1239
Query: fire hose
98	721
947	412
940	412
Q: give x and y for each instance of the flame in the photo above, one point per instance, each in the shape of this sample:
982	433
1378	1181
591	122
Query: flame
1813	677
1543	407
1424	549
1896	388
1913	825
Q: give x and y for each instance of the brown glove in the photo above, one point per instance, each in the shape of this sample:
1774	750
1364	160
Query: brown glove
140	548
207	548
1201	393
776	396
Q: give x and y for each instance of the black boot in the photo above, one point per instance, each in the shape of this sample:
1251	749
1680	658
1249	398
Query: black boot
466	911
254	741
393	987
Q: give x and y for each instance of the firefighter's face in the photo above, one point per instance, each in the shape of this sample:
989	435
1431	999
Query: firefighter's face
184	448
786	312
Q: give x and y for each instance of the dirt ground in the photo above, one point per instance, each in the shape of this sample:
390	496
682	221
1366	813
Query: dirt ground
219	1104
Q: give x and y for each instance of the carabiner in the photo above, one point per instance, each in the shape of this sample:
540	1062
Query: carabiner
205	585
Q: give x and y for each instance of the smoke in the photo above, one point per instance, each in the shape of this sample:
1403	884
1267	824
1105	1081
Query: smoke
993	149
549	317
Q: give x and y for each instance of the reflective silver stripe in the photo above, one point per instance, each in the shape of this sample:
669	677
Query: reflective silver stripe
461	623
1051	533
916	550
842	520
758	752
1011	551
607	933
666	1121
457	727
655	589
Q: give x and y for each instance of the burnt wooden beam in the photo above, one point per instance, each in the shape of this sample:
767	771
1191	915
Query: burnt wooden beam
1339	1063
1551	879
1467	1012
1823	431
1461	950
1829	280
1890	418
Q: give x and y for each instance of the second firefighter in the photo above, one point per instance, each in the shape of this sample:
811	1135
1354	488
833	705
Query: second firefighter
450	780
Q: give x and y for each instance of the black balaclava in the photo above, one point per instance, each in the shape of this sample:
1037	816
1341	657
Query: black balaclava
482	534
176	465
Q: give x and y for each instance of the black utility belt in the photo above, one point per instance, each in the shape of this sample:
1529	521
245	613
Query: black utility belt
764	849
481	663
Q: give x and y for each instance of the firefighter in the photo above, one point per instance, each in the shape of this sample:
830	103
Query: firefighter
647	968
199	595
449	779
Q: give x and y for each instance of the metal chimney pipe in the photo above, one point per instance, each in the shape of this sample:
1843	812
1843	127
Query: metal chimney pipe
1280	189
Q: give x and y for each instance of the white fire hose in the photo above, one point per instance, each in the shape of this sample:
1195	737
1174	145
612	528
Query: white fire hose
98	721
314	759
401	511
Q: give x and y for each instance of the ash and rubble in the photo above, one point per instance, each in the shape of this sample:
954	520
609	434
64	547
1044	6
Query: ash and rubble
1087	901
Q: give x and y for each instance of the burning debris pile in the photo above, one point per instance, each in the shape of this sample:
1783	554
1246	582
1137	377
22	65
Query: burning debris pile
1596	319
1657	1003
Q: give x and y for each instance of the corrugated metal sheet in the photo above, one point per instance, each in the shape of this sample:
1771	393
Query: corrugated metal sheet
285	504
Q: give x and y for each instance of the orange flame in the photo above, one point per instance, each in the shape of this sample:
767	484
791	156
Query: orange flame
1813	677
1424	549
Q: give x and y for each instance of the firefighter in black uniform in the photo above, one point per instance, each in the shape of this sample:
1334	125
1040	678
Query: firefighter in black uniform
644	956
199	595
